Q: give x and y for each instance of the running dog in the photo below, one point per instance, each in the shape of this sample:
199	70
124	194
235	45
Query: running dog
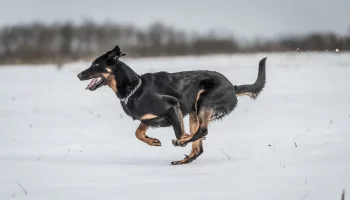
162	99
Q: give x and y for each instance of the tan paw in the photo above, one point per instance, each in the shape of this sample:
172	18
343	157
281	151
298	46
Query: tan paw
183	161
154	142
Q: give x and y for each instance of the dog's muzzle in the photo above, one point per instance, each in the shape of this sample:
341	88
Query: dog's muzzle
80	76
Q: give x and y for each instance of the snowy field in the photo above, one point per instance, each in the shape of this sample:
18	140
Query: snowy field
59	141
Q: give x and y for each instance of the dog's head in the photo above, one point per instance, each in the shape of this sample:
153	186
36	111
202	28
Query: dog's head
102	70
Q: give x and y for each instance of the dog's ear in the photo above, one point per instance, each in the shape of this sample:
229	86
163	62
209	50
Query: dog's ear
116	53
116	49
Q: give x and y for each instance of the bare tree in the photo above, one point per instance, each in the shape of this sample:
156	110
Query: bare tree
65	42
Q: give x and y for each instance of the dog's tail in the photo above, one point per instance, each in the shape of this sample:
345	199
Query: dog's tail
253	90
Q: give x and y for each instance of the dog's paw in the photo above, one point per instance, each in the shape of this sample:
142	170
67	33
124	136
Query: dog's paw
178	143
175	142
155	142
175	162
180	162
183	161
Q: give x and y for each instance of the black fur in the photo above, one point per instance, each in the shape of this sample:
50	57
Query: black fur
166	94
259	84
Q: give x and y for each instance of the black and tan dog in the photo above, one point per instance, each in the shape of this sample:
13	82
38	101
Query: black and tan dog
163	99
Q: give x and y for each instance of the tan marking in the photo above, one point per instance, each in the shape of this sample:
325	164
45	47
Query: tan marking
197	147
148	116
141	135
198	94
204	118
111	82
246	94
110	79
194	123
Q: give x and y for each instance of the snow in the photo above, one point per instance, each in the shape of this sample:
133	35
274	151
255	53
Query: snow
60	141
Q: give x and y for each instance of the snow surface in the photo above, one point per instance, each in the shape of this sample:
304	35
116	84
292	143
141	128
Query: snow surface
60	141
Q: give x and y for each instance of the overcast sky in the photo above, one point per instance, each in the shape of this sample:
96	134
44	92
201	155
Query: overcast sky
245	18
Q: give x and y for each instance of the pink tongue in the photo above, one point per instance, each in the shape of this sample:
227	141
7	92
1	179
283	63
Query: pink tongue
92	83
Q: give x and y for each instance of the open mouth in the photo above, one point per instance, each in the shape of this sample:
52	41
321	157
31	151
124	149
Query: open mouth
96	83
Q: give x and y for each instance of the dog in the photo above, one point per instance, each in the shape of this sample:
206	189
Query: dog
162	99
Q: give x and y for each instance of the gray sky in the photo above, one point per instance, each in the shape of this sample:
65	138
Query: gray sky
245	18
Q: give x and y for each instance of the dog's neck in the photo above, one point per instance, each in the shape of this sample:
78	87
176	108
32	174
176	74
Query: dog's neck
128	82
125	100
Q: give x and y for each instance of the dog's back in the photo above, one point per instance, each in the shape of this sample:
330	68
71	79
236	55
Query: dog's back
217	91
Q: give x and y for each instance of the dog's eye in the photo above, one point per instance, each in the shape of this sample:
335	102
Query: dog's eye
96	65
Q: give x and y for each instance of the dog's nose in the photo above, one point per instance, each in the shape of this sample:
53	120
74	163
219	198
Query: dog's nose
80	75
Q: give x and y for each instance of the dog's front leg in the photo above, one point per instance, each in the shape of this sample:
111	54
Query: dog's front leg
141	135
176	119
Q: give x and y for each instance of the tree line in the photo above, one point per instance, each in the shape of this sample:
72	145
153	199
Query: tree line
65	42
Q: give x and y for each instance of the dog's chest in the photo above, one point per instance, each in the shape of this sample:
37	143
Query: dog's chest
136	111
128	110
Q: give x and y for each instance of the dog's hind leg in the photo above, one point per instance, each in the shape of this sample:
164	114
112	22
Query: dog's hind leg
197	150
204	117
141	135
197	146
194	122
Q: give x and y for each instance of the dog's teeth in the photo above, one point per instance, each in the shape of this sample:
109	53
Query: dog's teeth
94	82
